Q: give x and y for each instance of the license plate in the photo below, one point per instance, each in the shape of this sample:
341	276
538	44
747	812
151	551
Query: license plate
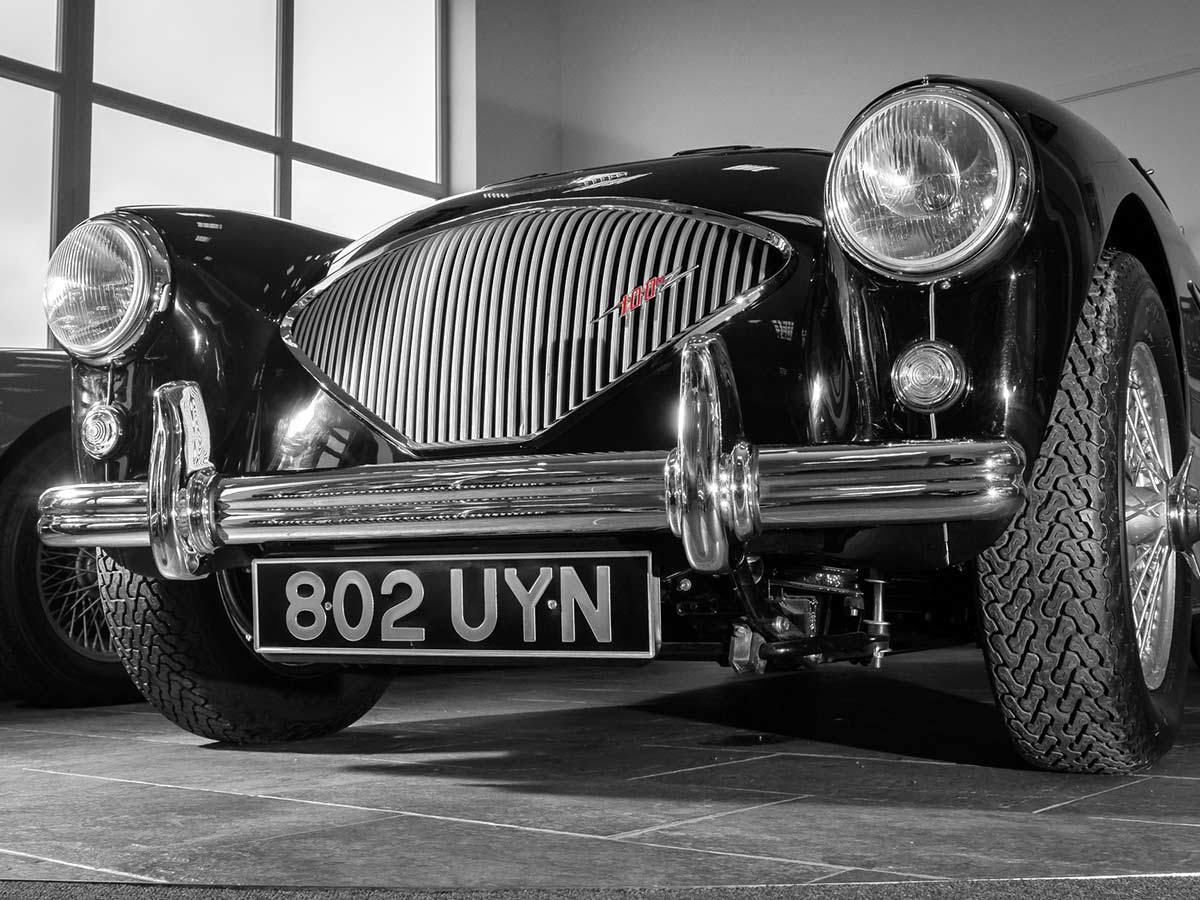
600	605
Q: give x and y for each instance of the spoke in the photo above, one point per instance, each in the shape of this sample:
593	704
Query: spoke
70	596
69	592
1151	437
1143	509
45	566
1145	464
1159	565
1151	465
1146	558
1145	514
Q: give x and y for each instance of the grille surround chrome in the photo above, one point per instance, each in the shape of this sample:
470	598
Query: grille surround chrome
414	440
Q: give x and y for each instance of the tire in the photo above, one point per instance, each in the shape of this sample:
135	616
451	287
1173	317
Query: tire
184	654
55	646
1196	639
1056	602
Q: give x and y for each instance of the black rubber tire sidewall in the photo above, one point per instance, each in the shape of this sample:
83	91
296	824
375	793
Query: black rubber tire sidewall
1055	607
186	657
36	661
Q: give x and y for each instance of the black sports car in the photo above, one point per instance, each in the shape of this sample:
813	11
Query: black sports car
55	646
741	404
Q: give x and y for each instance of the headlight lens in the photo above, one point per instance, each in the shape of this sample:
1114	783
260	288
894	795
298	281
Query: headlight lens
925	180
103	283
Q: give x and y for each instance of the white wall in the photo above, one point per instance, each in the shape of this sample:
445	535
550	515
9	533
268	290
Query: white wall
505	90
645	78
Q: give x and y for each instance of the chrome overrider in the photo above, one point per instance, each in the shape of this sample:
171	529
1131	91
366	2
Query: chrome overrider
714	491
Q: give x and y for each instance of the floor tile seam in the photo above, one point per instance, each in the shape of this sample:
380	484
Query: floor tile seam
1116	787
1146	821
289	835
399	813
727	762
324	803
98	737
777	859
625	835
887	759
74	865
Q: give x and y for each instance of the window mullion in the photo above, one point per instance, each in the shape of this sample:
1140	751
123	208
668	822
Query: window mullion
73	117
285	63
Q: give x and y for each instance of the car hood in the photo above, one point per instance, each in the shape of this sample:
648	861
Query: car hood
780	189
773	194
239	277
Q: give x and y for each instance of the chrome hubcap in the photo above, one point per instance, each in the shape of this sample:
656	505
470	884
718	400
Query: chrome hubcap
1149	544
70	595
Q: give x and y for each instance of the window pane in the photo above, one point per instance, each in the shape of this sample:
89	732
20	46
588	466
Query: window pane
24	212
366	82
27	30
137	161
215	57
344	205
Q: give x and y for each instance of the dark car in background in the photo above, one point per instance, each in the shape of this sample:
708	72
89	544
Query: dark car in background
55	645
758	406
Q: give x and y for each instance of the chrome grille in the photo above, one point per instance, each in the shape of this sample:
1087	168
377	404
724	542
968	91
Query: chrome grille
495	328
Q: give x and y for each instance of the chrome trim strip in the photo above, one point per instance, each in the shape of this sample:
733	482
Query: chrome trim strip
714	491
180	481
604	493
700	471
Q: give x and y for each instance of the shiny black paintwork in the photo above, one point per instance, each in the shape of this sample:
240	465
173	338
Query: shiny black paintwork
35	397
811	359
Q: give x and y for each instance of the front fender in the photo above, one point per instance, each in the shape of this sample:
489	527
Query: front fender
234	276
35	388
1014	320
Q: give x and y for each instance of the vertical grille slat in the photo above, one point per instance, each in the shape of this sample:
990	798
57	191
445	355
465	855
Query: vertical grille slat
496	328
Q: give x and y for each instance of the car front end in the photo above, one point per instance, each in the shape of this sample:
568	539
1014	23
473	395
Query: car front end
702	407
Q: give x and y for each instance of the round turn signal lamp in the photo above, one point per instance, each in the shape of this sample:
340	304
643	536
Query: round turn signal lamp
102	431
929	377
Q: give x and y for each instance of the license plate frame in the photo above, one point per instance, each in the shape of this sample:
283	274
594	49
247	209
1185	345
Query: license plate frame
477	562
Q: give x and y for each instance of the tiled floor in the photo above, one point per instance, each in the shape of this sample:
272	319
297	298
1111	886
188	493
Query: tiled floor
674	774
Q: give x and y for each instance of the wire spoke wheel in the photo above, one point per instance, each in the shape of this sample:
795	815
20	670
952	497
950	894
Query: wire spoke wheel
1084	606
1149	557
69	589
56	647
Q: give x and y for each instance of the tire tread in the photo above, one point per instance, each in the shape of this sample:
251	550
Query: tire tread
175	666
1051	592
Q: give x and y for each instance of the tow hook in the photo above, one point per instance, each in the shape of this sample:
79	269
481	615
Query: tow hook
744	651
877	626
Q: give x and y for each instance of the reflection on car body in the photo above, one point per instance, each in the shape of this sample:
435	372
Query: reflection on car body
766	403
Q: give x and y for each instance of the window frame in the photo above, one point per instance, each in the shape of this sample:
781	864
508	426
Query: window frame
76	90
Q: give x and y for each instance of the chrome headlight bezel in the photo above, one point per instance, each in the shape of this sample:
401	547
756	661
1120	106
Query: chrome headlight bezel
153	293
985	244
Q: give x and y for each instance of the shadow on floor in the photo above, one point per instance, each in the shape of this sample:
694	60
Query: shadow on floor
861	710
845	711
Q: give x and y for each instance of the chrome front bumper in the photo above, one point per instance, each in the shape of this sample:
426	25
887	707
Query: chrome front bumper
714	490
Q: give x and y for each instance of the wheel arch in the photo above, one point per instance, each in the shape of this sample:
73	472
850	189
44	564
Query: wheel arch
1133	231
35	398
57	420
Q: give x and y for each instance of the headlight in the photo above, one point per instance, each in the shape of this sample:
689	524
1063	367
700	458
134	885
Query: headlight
926	181
106	281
